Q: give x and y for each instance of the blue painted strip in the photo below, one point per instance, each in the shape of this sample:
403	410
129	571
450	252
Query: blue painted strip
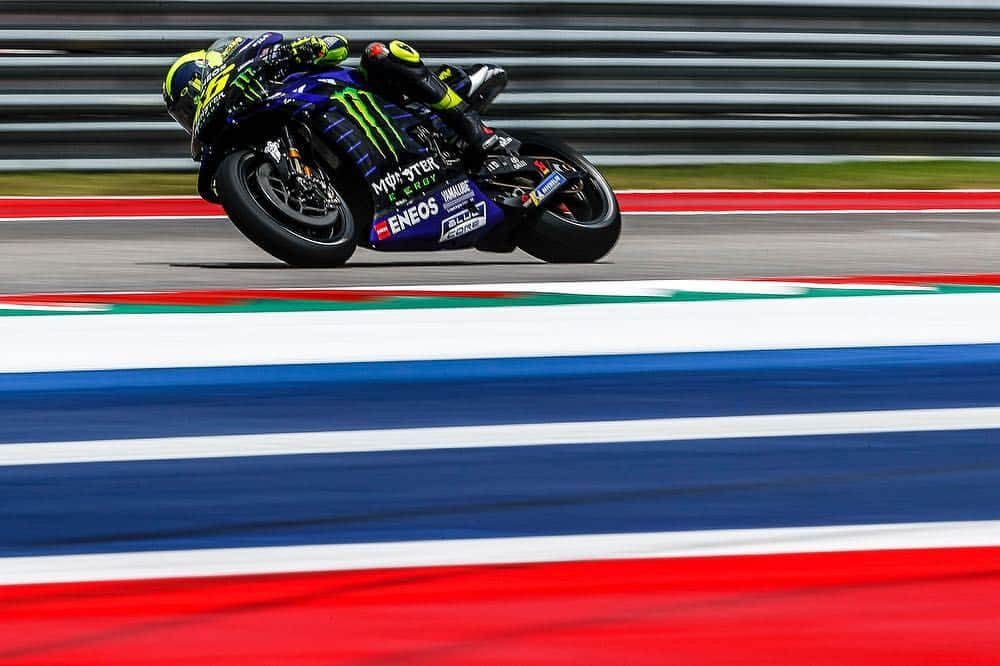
205	401
333	124
603	488
503	368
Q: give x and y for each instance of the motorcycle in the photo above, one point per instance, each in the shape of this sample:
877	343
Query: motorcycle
323	164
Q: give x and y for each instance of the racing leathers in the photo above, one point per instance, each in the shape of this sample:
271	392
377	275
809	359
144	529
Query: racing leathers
396	71
194	82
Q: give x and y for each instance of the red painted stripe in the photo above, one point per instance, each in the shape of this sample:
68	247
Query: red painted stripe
886	607
236	296
728	201
664	201
107	207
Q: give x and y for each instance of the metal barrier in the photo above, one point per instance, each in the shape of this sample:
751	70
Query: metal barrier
657	81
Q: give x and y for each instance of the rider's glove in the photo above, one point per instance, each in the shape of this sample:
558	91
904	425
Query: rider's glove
308	50
319	50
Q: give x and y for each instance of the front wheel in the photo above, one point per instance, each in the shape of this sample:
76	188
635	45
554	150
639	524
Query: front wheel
309	231
579	224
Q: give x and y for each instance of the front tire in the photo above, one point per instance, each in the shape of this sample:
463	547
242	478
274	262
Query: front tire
298	235
572	227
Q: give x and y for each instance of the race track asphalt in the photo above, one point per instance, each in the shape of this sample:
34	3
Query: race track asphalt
177	254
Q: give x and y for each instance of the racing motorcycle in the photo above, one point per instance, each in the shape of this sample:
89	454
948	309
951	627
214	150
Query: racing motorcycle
323	164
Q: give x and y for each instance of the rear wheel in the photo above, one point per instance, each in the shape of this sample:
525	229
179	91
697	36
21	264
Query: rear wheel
316	229
579	224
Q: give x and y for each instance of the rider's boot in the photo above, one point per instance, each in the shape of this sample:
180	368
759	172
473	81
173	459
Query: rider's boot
478	85
461	117
396	70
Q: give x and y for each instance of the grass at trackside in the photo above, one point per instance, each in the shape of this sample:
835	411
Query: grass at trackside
921	175
941	174
65	184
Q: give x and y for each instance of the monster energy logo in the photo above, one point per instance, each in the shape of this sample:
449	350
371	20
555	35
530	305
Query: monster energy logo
361	106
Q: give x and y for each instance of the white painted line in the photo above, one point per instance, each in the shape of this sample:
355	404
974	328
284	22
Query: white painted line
53	307
862	285
37	344
775	286
517	550
639	288
516	435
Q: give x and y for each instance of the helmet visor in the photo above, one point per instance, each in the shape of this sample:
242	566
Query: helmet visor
181	87
182	110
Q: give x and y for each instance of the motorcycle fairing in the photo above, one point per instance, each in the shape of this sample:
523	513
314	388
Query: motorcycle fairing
369	130
454	216
420	203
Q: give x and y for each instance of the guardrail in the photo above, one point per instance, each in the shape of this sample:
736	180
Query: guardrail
637	82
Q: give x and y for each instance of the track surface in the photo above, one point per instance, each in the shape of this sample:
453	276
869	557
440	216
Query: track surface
137	255
931	602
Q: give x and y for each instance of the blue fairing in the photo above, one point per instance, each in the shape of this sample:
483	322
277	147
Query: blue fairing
452	216
419	202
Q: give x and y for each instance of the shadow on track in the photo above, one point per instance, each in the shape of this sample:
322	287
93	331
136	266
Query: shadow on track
248	265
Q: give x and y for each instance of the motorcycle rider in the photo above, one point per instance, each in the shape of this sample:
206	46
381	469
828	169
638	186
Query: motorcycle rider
394	70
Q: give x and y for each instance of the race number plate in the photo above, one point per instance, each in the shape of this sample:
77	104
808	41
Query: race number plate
547	188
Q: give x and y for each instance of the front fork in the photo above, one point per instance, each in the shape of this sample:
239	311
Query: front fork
287	159
292	169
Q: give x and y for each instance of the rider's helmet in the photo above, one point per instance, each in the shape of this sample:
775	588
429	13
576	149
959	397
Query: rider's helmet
182	85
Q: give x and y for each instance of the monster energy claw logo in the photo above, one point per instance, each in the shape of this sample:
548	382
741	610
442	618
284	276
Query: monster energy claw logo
367	114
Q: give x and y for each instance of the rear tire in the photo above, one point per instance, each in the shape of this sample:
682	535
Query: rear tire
562	237
296	238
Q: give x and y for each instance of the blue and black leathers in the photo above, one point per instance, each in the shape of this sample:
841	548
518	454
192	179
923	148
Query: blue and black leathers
245	66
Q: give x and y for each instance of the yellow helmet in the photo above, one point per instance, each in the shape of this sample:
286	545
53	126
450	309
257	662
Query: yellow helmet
182	86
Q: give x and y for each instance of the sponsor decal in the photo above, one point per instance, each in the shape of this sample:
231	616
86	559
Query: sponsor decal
231	47
465	221
407	217
504	163
416	187
408	180
367	114
257	43
457	195
494	163
272	150
541	166
552	182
